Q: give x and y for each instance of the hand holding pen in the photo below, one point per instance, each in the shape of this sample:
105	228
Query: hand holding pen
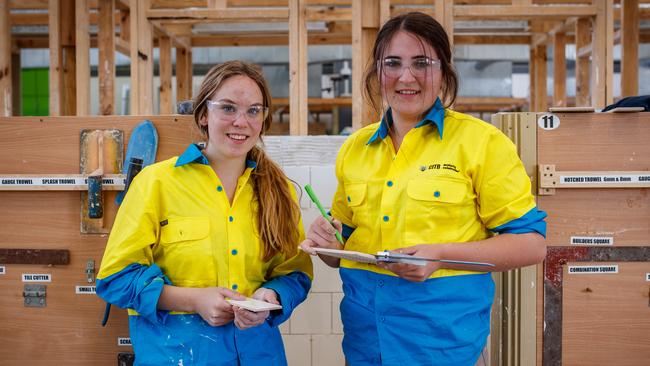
324	232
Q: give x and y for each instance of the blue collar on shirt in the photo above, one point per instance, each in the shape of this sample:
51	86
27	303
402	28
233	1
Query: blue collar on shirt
436	116
193	155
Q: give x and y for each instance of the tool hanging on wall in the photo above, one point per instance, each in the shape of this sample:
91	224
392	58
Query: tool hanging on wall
141	151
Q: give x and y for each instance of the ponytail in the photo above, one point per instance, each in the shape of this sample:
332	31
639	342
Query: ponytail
278	214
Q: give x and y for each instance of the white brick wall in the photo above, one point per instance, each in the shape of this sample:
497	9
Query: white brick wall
313	334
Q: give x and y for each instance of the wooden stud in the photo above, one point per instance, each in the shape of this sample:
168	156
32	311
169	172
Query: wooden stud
68	49
141	59
384	11
582	39
444	14
125	25
183	74
82	50
540	91
630	48
15	84
559	70
56	67
165	70
106	68
298	68
5	60
365	25
602	63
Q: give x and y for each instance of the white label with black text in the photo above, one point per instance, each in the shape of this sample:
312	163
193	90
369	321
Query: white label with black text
647	277
33	277
609	268
592	240
548	122
121	341
55	182
618	179
85	290
2	270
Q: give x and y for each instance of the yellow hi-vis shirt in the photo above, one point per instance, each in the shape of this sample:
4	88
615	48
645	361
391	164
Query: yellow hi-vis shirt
450	185
177	216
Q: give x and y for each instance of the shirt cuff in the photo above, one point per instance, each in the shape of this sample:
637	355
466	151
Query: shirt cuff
136	287
292	289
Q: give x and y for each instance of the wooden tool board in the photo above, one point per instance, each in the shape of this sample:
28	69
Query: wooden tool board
67	330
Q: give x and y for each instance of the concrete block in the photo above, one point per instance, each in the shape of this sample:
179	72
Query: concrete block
300	175
326	350
298	349
326	278
314	316
323	180
337	325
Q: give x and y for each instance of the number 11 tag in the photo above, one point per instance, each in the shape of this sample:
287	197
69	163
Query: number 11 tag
548	122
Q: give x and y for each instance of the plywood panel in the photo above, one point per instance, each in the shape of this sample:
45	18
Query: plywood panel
67	331
607	317
598	142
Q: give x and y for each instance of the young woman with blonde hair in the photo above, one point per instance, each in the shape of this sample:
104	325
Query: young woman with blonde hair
211	224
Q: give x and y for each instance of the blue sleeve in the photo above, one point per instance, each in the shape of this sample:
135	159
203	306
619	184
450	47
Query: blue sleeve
531	222
347	231
292	289
136	287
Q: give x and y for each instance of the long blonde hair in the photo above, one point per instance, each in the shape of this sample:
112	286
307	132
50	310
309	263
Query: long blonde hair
278	214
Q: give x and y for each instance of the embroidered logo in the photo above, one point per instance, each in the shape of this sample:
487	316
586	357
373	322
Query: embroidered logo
446	166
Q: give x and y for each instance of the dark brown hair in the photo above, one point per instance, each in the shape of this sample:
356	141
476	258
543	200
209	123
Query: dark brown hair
277	211
426	29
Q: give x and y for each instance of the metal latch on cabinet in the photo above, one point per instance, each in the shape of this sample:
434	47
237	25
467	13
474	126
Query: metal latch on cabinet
90	271
35	295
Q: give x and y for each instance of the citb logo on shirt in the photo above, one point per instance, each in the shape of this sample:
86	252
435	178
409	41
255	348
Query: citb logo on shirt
437	166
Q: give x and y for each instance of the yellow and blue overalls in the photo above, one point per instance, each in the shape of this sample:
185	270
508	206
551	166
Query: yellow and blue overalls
176	226
454	179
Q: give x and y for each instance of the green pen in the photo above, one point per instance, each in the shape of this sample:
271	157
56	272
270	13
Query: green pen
314	199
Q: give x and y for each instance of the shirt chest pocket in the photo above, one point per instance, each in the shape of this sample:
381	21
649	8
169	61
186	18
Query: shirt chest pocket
438	190
437	208
356	197
185	253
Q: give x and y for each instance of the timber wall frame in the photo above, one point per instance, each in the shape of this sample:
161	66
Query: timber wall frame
134	28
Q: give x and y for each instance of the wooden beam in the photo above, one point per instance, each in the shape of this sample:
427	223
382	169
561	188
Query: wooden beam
445	16
183	74
15	84
559	70
6	99
125	26
55	74
365	26
106	66
165	67
141	59
519	12
602	62
122	46
540	86
298	68
222	15
583	39
329	14
384	12
82	52
68	52
629	48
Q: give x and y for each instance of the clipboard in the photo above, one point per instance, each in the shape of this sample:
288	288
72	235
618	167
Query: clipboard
390	257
